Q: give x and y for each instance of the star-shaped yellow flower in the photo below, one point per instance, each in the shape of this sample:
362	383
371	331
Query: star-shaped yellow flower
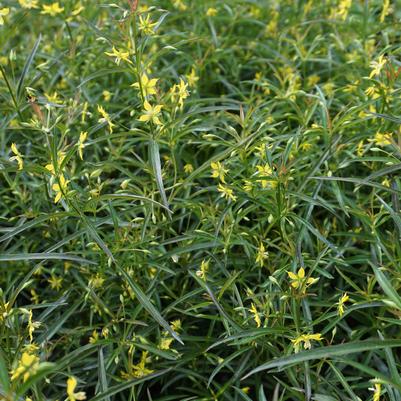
151	113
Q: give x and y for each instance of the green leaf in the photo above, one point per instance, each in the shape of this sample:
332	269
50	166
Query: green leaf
325	352
155	159
27	65
386	286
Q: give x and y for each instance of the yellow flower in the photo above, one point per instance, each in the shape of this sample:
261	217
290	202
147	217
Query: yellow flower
34	296
60	158
118	56
188	168
81	143
385	10
382	139
312	80
72	395
96	281
226	192
27	366
203	269
60	188
176	325
28	3
165	342
211	12
218	170
343	9
248	186
256	316
3	12
94	337
32	326
138	370
52	9
53	98
146	25
264	171
192	78
262	255
148	85
377	392
151	113
180	5
55	282
340	304
299	281
306	340
105	118
18	157
179	93
106	95
377	66
372	92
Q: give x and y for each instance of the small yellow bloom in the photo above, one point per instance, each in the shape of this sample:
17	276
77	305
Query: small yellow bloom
264	171
299	281
377	66
179	93
18	157
28	3
343	9
148	85
256	316
60	188
151	113
340	304
81	143
180	5
188	168
72	395
55	282
27	366
226	192
385	10
105	118
218	170
32	326
382	139
52	9
203	269
176	325
165	342
306	340
96	281
138	370
106	95
262	255
94	337
192	78
60	158
53	98
118	55
146	25
377	392
3	12
211	12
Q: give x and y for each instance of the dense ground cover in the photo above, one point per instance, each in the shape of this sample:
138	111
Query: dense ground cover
200	200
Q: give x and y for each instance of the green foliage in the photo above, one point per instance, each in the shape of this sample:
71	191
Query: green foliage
200	200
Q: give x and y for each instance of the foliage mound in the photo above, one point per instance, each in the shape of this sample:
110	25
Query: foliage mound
200	200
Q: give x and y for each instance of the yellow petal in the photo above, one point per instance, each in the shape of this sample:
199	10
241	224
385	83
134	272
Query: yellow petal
301	272
147	106
144	117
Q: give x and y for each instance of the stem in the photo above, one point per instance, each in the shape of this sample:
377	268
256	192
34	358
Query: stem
11	93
